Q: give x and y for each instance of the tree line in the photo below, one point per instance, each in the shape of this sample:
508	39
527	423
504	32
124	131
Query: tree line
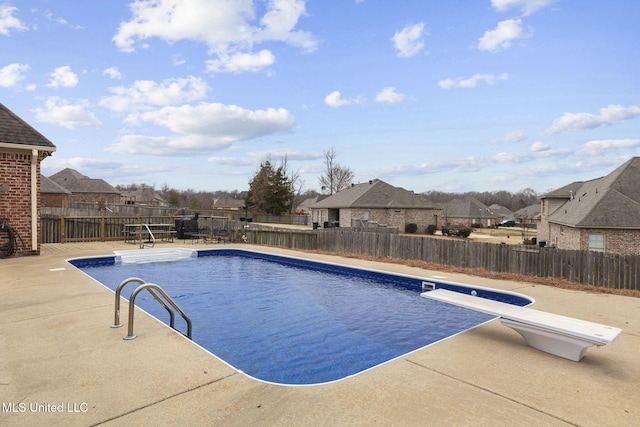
276	189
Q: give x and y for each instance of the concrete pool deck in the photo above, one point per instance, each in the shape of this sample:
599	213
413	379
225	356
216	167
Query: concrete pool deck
61	364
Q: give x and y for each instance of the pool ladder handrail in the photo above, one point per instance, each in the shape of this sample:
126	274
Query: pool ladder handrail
163	298
152	238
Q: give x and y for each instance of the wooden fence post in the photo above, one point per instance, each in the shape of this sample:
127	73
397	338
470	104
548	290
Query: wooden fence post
63	237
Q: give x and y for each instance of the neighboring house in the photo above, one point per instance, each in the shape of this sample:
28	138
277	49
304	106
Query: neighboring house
85	189
52	195
470	212
22	148
599	215
228	203
528	215
144	196
376	202
305	206
500	212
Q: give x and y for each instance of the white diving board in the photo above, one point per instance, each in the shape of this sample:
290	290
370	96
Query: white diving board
559	335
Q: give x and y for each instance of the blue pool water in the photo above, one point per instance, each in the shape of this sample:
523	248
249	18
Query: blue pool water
292	321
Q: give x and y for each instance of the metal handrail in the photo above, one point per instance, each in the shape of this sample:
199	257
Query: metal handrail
149	287
116	314
151	237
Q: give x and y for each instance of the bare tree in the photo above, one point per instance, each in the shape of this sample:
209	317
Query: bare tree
335	177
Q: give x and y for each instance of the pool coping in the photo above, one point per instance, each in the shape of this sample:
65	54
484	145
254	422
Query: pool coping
487	375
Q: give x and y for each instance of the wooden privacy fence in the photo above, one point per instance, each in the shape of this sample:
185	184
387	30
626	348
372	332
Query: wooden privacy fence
585	267
62	229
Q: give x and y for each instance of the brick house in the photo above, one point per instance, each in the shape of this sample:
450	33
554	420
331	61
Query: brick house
85	189
143	196
52	195
22	148
376	202
470	212
600	215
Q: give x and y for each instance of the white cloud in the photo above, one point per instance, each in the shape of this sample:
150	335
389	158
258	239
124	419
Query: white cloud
204	128
61	112
81	163
63	77
113	72
146	94
580	121
389	95
229	27
472	81
240	62
12	74
334	99
515	136
502	36
173	145
599	146
526	6
9	22
280	21
408	41
539	146
232	161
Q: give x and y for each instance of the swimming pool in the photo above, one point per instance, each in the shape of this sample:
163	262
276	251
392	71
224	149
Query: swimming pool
293	321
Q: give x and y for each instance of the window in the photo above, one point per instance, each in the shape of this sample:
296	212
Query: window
596	242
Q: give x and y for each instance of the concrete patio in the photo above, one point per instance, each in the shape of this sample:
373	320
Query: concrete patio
61	364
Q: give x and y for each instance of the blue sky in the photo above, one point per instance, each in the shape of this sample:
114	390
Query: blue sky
468	95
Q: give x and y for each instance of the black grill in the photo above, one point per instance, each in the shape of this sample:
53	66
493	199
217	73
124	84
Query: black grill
187	227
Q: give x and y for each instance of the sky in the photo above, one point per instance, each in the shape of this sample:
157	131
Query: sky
454	96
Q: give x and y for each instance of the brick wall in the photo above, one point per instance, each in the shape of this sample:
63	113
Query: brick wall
54	200
620	242
15	198
100	198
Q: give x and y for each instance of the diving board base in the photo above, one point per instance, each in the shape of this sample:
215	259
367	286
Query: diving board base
559	335
559	345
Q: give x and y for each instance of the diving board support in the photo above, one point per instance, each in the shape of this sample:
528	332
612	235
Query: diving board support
552	333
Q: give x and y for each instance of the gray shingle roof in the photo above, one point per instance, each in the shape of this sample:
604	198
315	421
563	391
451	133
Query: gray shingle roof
374	194
612	201
75	182
14	130
501	211
468	208
528	212
48	186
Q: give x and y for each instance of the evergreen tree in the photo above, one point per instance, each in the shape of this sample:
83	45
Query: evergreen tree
270	190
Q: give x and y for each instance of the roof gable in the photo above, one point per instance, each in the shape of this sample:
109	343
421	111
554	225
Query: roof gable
374	194
75	182
468	208
50	187
612	201
14	130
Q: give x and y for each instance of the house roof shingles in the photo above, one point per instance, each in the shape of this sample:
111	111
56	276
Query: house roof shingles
374	194
48	186
75	182
468	208
15	131
612	201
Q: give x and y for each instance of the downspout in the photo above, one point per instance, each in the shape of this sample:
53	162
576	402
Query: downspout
34	200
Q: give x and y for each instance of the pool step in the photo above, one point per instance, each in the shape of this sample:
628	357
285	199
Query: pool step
140	256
